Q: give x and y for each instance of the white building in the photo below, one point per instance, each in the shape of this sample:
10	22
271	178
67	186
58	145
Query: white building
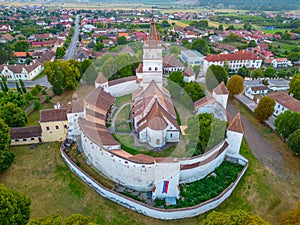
258	90
284	102
281	62
171	64
189	75
192	57
75	111
21	71
235	61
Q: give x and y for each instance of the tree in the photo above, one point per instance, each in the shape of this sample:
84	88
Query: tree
221	28
252	44
124	65
293	56
194	90
71	75
22	86
122	40
4	136
90	74
236	217
243	71
295	86
247	26
269	72
215	75
54	73
60	52
286	36
287	123
235	85
12	115
256	73
292	217
176	77
85	64
77	219
109	68
15	207
294	141
264	109
201	46
4	86
49	220
233	38
37	105
174	50
165	23
21	46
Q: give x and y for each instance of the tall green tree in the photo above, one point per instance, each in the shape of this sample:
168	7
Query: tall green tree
124	64
194	90
110	69
176	77
264	109
294	141
287	123
60	52
236	217
4	84
295	86
55	75
121	40
269	72
15	207
235	85
23	88
21	46
201	46
12	115
4	136
215	75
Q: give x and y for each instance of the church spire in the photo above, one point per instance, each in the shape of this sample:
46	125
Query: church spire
153	35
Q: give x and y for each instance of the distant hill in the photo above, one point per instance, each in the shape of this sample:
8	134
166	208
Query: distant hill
253	4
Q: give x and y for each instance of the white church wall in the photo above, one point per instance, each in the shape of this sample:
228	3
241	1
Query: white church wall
222	99
164	214
124	88
156	138
133	175
234	139
197	173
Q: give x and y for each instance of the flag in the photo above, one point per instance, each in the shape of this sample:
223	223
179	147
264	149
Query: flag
165	187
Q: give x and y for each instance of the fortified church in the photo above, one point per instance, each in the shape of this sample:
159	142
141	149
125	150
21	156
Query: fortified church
153	119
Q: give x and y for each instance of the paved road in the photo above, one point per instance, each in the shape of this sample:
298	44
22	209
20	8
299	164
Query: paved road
262	149
72	47
41	81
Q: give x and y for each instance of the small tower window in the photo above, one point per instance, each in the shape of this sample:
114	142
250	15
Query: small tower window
155	68
149	68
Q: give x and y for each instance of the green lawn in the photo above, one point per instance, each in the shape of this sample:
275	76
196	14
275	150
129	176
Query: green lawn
122	100
34	117
122	124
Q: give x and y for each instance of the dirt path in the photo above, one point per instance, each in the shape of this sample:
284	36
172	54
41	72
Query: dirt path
262	149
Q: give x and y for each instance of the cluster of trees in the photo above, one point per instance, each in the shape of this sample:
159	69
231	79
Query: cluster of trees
215	75
176	85
15	207
123	65
200	24
12	104
201	46
65	74
287	124
204	132
268	72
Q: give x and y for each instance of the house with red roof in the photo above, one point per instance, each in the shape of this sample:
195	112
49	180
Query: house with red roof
235	61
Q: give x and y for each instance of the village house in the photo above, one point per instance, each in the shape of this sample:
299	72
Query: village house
284	102
235	61
21	71
170	64
281	62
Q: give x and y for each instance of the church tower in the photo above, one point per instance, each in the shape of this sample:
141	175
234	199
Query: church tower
152	58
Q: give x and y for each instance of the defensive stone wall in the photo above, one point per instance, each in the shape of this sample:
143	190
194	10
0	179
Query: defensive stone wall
164	214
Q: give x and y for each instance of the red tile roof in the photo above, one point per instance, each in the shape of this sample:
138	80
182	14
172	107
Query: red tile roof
53	115
25	132
100	99
240	55
221	89
236	124
286	100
